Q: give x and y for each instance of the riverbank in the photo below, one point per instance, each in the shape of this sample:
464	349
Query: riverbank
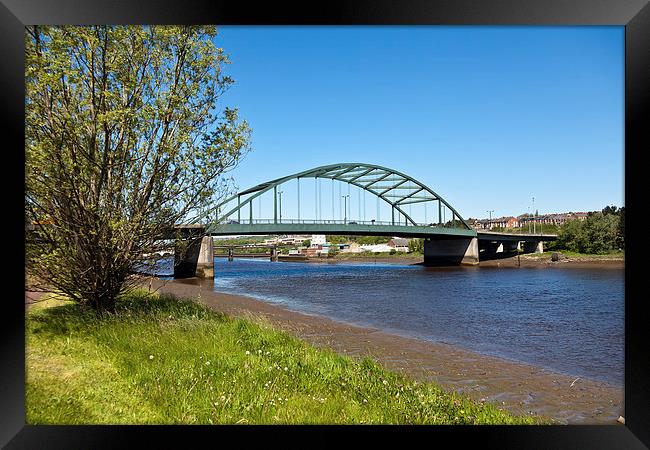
528	260
368	259
545	260
161	359
517	387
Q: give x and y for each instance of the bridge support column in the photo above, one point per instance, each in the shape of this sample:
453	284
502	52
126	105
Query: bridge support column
489	250
197	260
451	251
534	247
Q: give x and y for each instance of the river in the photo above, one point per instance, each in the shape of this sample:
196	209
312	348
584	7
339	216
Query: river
568	320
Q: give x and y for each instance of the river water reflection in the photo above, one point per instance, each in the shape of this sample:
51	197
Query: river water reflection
568	320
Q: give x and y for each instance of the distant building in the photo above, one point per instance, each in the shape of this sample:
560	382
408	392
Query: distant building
354	247
499	222
377	248
560	219
286	240
553	219
525	219
399	244
318	239
316	251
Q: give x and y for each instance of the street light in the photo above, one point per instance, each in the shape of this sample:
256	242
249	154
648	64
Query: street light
535	219
345	208
280	195
490	222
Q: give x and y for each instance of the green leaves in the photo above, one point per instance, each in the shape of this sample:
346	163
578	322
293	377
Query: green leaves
125	134
598	233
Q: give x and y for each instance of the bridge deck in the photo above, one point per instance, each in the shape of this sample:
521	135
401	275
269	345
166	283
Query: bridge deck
337	228
367	230
493	236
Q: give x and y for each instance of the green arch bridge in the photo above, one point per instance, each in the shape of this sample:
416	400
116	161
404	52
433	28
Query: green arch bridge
449	240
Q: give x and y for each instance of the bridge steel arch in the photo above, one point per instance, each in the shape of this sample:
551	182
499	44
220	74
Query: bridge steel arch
391	186
443	245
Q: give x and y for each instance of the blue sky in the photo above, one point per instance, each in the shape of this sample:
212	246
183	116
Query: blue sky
488	117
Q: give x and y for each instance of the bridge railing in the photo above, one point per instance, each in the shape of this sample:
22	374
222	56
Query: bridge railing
307	221
335	222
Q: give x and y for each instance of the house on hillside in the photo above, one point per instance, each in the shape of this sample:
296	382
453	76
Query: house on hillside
499	222
553	219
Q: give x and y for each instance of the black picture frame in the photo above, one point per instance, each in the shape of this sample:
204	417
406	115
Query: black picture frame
634	15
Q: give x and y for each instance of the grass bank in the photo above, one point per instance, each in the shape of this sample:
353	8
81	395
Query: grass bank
548	254
169	361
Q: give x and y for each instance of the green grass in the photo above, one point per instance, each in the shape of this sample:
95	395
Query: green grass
169	361
613	255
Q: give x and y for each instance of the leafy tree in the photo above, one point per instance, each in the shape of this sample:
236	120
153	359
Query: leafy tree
601	233
361	240
610	210
125	137
571	236
370	240
620	232
336	239
598	233
416	245
240	241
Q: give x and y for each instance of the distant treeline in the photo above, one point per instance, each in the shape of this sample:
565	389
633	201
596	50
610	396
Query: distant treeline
361	240
600	232
241	241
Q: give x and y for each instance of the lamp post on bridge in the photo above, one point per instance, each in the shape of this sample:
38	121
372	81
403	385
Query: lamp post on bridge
490	221
535	217
345	208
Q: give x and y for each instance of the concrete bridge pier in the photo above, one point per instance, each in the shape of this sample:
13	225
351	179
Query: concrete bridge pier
197	260
491	247
451	251
534	247
274	254
496	249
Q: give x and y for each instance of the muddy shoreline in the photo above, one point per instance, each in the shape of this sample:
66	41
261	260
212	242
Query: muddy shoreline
509	262
514	386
